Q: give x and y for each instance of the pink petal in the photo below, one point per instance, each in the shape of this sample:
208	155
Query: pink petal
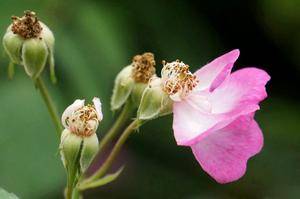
97	104
190	119
240	92
213	74
70	109
224	153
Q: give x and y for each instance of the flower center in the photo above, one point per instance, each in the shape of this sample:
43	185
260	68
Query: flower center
143	67
84	121
27	26
177	80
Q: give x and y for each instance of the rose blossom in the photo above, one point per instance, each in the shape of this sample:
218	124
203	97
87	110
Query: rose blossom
214	113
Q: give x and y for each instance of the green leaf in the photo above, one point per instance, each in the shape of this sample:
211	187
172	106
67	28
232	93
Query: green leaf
102	181
5	195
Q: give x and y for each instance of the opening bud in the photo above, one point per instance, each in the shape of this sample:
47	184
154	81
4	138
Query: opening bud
79	142
30	43
132	80
155	102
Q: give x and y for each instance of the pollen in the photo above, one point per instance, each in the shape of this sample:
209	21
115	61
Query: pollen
143	67
84	121
177	79
27	26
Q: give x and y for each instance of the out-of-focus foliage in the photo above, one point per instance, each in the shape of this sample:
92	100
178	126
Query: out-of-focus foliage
95	39
280	19
5	194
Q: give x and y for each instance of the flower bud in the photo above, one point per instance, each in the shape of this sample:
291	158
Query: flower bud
132	80
79	142
155	102
30	43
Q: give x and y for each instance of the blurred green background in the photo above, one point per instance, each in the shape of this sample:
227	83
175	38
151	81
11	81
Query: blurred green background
95	39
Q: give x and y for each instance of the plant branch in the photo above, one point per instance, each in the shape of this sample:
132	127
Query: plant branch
123	117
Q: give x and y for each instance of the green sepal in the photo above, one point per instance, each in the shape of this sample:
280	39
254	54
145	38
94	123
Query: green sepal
89	150
154	103
122	88
52	68
49	39
70	150
137	92
47	36
34	56
12	44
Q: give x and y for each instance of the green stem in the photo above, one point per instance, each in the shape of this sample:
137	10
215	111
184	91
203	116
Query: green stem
115	151
110	135
49	103
70	182
69	191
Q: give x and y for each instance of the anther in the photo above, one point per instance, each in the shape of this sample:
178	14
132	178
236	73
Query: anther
143	67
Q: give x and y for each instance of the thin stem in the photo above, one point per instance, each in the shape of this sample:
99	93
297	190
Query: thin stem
123	117
49	103
115	151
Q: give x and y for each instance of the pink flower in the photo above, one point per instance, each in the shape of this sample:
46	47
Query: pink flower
214	113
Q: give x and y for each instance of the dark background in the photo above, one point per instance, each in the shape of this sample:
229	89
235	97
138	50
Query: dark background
95	39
